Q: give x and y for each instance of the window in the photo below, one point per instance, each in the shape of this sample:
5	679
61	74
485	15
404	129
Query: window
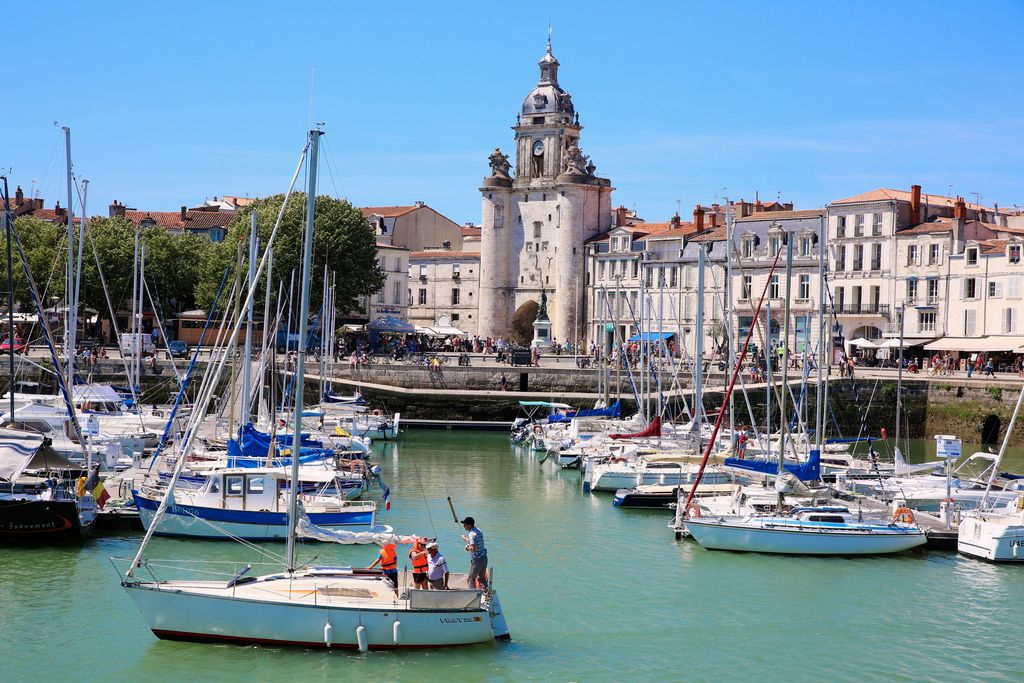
840	296
422	297
804	287
925	321
773	287
1013	253
933	290
876	224
1009	320
455	317
1013	287
543	246
633	296
748	247
673	276
774	243
972	256
661	277
455	296
912	255
841	258
805	246
748	283
841	226
536	229
970	288
858	228
255	484
650	277
396	293
600	270
911	291
933	254
456	270
423	271
615	243
876	256
993	289
636	269
969	318
233	485
858	257
380	295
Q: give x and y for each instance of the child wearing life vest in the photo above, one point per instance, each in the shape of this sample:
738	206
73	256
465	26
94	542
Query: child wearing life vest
387	558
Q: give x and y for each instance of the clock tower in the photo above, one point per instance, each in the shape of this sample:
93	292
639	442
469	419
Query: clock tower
535	221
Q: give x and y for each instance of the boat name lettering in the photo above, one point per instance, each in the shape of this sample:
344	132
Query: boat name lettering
1017	544
459	620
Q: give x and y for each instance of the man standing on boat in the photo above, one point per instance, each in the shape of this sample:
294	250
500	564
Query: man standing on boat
474	539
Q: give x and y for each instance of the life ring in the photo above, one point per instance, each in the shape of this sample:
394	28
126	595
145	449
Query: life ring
376	413
904	515
693	510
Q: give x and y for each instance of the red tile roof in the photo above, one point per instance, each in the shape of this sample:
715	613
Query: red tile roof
194	220
780	215
382	245
885	194
388	211
989	247
717	234
471	231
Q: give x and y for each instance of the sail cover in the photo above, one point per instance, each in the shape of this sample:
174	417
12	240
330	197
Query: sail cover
653	429
20	451
306	529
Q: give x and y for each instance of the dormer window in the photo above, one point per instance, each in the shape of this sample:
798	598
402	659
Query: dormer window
748	247
1013	253
615	244
972	256
539	101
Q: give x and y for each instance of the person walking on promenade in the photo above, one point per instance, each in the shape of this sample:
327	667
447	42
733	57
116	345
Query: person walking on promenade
437	568
990	369
503	382
474	539
970	368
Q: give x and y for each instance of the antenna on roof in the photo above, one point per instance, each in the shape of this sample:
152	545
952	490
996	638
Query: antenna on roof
977	197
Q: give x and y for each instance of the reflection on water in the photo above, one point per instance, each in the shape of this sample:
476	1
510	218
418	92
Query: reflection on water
591	592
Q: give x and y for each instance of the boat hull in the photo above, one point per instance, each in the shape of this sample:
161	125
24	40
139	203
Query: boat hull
992	539
179	615
715	535
42	520
214	523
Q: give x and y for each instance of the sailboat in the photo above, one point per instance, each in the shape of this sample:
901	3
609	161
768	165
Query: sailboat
314	606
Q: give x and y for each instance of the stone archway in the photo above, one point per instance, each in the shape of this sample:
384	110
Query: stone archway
869	332
522	323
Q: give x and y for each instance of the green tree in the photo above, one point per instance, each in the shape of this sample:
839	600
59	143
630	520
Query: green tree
45	250
342	239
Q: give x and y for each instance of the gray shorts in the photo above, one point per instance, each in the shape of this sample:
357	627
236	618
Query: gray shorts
477	566
436	584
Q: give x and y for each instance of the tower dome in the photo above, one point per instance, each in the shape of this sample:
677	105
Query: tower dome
547	97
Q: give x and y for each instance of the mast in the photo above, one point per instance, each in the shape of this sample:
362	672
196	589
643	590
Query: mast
819	394
698	352
899	378
142	277
69	329
769	351
78	263
300	366
246	417
783	418
729	228
134	346
266	326
10	292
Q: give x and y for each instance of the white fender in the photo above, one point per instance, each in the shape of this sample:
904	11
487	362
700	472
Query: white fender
361	639
328	632
397	629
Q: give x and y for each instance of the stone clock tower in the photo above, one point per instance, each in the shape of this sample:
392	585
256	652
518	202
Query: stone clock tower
535	221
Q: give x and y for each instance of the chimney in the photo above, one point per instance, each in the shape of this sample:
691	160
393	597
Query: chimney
116	209
915	204
714	219
37	203
420	204
758	206
19	197
620	216
184	214
60	215
698	219
788	206
675	220
960	209
742	209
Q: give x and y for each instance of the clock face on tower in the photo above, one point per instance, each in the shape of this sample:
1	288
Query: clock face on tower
538	148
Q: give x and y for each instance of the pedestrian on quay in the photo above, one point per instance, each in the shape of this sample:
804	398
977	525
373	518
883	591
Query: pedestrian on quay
990	369
437	568
503	382
474	539
851	366
970	368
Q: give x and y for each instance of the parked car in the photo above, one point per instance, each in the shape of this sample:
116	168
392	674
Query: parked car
19	345
179	349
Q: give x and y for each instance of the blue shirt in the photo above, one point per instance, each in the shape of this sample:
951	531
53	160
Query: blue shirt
476	539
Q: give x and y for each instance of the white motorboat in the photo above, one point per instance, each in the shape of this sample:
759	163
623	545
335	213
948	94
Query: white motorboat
996	535
823	530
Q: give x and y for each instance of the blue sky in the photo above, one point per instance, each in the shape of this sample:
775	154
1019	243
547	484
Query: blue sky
681	101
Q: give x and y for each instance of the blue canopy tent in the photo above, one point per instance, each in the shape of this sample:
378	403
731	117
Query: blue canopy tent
387	324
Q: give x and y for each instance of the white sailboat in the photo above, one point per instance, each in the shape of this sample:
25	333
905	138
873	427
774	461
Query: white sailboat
310	606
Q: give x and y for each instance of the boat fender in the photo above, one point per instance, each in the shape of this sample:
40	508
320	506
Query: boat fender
361	639
376	413
537	429
328	633
397	632
375	470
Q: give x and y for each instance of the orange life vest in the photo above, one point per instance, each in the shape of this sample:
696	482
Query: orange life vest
419	563
388	558
904	515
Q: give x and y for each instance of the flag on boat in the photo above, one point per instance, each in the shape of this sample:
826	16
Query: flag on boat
384	490
99	492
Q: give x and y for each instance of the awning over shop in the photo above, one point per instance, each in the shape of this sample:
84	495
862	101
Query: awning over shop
652	336
390	323
862	343
447	331
977	344
352	327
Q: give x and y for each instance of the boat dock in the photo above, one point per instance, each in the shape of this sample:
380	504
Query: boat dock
492	425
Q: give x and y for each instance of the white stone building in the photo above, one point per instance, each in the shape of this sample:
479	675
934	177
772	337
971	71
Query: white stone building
535	222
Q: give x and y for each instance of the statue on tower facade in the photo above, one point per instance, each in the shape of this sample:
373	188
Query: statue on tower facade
500	165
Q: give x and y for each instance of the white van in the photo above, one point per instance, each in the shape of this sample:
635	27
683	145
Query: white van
132	343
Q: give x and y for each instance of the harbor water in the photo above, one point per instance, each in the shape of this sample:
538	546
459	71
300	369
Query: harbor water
590	592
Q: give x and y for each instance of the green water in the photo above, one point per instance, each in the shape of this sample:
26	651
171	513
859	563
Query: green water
590	592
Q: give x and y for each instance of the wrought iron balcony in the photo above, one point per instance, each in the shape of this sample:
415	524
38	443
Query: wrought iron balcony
863	309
